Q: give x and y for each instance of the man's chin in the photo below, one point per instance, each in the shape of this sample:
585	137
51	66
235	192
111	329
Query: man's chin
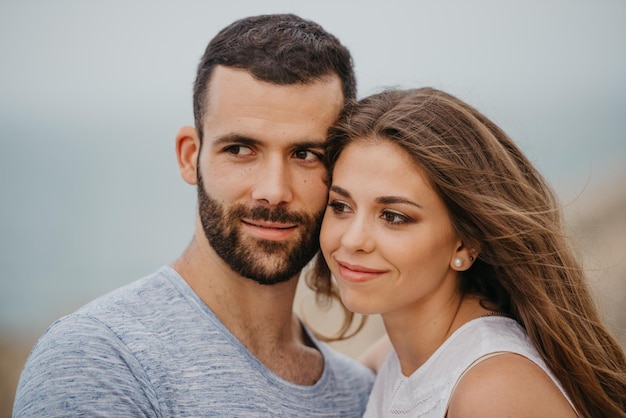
267	248
272	267
273	280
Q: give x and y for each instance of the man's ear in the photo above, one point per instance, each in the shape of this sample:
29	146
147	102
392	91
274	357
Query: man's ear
187	149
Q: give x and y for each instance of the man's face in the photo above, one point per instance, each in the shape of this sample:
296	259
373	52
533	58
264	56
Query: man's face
261	181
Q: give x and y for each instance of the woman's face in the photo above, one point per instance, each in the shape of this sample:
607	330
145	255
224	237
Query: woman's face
386	235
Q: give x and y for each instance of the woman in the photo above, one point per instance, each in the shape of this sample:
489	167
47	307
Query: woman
438	222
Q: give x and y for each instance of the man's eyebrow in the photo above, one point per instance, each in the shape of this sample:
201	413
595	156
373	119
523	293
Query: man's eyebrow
309	144
383	199
235	138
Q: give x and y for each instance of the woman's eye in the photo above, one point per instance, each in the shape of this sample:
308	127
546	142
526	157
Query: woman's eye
339	207
394	218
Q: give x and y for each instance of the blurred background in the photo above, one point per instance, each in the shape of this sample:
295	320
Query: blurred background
92	94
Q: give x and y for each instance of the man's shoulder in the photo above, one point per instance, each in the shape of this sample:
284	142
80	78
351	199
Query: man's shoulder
86	359
135	306
138	298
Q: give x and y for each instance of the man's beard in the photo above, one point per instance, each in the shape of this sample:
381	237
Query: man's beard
264	261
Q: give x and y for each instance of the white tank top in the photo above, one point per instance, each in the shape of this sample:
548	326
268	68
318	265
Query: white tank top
427	391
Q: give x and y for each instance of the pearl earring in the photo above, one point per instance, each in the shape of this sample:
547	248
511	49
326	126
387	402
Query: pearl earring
457	262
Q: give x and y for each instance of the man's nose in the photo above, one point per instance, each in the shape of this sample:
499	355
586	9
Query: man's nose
273	183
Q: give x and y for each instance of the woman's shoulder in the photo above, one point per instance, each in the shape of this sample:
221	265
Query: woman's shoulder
507	384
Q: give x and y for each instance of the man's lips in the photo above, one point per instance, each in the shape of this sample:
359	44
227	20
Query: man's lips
274	231
356	273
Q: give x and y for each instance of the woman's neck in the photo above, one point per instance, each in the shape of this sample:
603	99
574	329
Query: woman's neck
418	333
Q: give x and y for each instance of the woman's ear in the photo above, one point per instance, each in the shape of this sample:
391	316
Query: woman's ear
464	256
187	149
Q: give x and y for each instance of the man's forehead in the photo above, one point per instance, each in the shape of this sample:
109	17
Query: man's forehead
237	85
236	98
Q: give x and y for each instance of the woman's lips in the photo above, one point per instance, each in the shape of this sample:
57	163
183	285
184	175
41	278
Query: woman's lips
356	273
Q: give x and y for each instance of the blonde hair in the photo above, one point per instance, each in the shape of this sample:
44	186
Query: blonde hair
497	199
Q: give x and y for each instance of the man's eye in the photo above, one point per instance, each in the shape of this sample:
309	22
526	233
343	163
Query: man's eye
306	155
239	150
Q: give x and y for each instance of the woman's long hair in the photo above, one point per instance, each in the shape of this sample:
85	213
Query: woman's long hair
498	200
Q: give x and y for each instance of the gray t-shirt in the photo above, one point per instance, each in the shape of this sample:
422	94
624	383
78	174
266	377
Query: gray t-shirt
154	349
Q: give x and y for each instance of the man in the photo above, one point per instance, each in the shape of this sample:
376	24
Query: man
214	334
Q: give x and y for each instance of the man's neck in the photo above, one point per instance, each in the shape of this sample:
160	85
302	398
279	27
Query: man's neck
243	305
260	316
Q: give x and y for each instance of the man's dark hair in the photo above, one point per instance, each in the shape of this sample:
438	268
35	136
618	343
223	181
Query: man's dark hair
282	49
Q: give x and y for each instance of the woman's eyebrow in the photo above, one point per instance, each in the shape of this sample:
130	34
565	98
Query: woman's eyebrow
383	199
397	199
340	191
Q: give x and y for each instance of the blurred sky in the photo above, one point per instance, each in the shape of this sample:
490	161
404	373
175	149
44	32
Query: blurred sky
93	92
